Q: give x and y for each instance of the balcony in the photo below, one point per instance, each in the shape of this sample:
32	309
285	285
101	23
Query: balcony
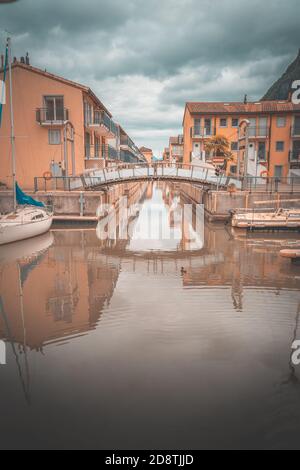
258	132
52	116
104	124
96	152
128	157
112	153
203	132
127	144
294	158
295	131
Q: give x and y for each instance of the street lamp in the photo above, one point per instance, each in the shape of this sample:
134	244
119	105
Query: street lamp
245	137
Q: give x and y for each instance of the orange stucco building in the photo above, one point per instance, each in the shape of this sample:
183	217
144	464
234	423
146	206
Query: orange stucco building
148	153
61	128
274	134
174	152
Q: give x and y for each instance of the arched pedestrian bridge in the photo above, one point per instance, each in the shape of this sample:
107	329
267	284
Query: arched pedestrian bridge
96	178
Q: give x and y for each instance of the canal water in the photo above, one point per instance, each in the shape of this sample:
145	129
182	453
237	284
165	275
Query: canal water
178	337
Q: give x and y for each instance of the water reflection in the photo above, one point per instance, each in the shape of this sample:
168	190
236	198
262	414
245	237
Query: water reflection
113	332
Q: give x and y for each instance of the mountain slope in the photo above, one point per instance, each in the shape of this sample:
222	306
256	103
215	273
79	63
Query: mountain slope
280	90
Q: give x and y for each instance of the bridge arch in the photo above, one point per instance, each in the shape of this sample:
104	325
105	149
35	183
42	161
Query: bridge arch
97	178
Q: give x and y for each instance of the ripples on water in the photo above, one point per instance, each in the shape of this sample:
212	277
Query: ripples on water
110	345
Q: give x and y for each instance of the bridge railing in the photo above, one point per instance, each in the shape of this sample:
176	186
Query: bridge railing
95	178
178	171
288	184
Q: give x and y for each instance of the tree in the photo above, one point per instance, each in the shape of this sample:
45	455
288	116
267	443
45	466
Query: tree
218	145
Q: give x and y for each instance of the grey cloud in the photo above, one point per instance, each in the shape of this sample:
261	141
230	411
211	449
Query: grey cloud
158	54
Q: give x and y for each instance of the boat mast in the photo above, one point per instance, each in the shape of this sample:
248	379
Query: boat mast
12	127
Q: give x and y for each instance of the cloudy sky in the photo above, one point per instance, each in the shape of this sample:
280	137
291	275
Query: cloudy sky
146	58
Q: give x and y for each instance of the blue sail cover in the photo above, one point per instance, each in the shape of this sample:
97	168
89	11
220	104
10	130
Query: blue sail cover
23	198
3	89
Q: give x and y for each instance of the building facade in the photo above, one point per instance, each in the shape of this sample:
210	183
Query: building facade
148	154
274	134
174	152
61	128
176	149
166	154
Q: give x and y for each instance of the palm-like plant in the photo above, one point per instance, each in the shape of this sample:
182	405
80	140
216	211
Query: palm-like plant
218	145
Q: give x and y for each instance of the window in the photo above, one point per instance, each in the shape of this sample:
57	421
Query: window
278	171
87	113
97	147
235	122
233	169
234	146
207	126
281	121
87	145
54	136
223	122
197	126
252	127
262	127
279	146
54	107
262	155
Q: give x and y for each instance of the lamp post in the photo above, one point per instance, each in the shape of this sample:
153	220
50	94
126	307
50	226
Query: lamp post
245	137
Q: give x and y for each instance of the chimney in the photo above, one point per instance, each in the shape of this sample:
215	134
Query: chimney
27	59
245	99
22	60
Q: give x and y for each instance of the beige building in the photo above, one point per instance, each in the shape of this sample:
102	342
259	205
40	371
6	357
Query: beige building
62	128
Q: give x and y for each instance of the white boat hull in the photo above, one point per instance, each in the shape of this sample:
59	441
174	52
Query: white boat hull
285	218
24	227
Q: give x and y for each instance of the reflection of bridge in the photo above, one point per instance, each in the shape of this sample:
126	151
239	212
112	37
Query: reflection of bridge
158	171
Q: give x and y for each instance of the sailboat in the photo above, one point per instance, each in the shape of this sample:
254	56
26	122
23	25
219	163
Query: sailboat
29	217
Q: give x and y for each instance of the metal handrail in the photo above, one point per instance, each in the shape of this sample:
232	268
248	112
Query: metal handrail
47	115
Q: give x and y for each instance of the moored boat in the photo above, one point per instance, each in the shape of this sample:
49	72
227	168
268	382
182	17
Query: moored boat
25	222
268	219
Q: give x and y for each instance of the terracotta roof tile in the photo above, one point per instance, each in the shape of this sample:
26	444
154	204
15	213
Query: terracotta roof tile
175	140
84	88
241	108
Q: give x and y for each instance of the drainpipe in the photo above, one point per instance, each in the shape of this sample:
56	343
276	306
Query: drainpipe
270	139
66	152
81	203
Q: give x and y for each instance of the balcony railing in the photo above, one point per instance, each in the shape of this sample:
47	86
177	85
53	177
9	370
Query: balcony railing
112	153
258	132
294	156
100	152
127	142
202	132
128	157
100	118
52	116
296	131
94	151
